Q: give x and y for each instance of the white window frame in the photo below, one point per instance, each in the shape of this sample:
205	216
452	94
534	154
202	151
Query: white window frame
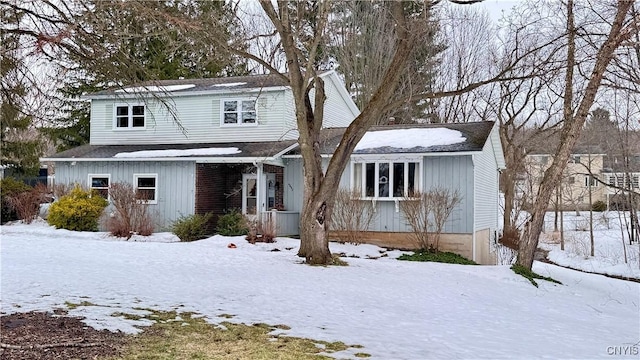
592	178
362	186
129	126
238	111
90	183
135	187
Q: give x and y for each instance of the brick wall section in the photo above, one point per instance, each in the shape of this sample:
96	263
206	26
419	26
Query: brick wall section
215	181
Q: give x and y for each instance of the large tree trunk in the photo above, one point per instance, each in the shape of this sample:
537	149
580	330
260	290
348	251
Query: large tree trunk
569	135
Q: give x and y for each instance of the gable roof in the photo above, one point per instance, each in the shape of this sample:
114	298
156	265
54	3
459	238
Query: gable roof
475	135
219	85
210	152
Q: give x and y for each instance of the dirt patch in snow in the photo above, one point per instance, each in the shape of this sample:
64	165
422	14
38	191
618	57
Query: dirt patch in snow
47	336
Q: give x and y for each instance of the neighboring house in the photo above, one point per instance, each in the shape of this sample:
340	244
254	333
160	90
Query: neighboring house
588	171
212	145
623	177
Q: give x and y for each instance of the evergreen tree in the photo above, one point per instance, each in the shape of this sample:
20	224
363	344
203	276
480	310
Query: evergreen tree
21	143
135	47
363	55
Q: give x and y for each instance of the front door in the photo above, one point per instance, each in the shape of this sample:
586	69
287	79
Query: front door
249	194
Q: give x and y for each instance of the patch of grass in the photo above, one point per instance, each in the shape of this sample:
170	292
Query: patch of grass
362	355
127	316
337	261
184	336
72	306
226	316
440	256
521	270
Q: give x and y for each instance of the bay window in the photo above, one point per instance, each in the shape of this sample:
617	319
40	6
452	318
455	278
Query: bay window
386	179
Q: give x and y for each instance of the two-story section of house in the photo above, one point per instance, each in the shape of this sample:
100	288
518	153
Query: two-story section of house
214	145
196	146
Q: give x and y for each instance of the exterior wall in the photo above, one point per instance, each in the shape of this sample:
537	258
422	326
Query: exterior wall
175	182
452	172
574	188
457	243
486	189
293	184
336	112
483	248
199	115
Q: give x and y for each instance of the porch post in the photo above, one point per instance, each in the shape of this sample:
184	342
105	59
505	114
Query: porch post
259	193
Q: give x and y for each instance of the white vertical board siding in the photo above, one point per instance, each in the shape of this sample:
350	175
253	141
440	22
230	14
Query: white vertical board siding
176	183
486	178
199	117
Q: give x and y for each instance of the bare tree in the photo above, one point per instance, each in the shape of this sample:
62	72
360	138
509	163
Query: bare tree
622	28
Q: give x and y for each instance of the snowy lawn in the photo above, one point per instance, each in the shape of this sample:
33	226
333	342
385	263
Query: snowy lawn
395	309
610	244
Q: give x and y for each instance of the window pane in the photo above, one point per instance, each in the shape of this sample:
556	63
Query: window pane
122	110
249	105
230	118
138	121
370	178
138	110
122	122
357	178
249	117
398	179
383	180
146	194
230	106
97	182
412	181
147	182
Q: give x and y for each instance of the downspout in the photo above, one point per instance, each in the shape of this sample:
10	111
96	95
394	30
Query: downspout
473	229
259	183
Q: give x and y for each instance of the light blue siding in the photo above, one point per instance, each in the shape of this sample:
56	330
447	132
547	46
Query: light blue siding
451	172
176	183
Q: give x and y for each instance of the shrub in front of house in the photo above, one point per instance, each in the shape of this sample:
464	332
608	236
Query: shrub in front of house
440	256
192	227
79	210
9	188
232	223
26	204
131	212
599	206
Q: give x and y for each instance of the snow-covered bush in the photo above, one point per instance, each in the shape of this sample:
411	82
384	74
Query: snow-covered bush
79	210
192	227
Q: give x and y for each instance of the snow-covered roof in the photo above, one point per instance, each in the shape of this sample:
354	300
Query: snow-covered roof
241	152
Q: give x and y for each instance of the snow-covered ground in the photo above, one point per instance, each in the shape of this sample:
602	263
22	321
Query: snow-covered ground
610	244
395	309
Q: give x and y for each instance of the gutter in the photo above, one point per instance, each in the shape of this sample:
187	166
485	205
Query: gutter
200	160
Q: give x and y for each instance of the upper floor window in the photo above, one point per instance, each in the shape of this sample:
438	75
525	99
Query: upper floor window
146	187
590	180
100	183
239	112
386	180
129	116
